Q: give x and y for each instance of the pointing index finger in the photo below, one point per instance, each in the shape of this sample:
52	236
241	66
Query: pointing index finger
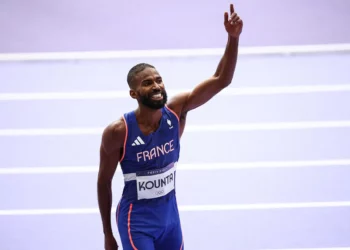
232	10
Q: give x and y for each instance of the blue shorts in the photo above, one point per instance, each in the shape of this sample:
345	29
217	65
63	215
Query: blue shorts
150	224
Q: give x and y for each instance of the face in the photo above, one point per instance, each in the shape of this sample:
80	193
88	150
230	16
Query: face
150	89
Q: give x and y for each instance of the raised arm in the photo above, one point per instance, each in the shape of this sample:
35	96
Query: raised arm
110	154
223	74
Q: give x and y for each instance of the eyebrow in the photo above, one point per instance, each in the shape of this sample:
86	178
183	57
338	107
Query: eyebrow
150	79
146	80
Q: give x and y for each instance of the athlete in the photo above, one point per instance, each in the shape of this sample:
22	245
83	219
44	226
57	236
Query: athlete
146	144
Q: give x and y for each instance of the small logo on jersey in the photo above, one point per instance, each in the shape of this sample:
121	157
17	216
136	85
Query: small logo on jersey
169	123
138	141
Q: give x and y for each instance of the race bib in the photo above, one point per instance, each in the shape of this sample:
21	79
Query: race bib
155	183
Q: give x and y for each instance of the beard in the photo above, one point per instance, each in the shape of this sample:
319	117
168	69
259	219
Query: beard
154	104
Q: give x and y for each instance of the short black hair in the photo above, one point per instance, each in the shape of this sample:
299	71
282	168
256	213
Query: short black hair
135	70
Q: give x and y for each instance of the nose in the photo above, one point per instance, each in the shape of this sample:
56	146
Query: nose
156	86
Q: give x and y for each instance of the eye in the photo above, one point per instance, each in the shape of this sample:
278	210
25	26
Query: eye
146	83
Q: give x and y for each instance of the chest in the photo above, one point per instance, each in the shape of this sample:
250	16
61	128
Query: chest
156	145
148	130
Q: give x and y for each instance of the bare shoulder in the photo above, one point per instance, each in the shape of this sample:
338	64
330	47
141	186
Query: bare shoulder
114	135
177	103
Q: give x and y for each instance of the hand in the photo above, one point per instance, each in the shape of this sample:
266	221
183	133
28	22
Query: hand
110	243
234	24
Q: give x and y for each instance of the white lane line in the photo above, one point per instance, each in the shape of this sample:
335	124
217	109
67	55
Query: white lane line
327	248
232	91
189	128
50	170
178	53
189	208
263	206
184	167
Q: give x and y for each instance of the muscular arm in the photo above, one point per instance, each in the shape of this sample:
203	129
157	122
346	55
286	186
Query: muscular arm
110	154
221	78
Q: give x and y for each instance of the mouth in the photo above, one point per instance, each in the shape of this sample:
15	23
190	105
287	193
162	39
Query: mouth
157	96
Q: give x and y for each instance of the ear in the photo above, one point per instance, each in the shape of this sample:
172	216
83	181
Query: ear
133	94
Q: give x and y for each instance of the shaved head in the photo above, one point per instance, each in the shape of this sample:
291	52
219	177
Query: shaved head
134	71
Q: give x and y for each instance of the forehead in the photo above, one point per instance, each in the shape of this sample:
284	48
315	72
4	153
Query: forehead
147	73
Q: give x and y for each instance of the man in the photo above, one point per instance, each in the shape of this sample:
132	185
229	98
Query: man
146	144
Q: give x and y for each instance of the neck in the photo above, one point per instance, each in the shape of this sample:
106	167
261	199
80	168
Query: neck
148	116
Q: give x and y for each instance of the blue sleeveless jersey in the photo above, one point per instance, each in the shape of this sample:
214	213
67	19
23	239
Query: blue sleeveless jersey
149	162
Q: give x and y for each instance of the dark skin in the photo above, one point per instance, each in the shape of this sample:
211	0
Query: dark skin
146	82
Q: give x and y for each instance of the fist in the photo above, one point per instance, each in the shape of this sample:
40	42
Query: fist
233	23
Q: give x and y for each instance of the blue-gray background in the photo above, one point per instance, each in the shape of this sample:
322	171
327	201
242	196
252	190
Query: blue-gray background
312	163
